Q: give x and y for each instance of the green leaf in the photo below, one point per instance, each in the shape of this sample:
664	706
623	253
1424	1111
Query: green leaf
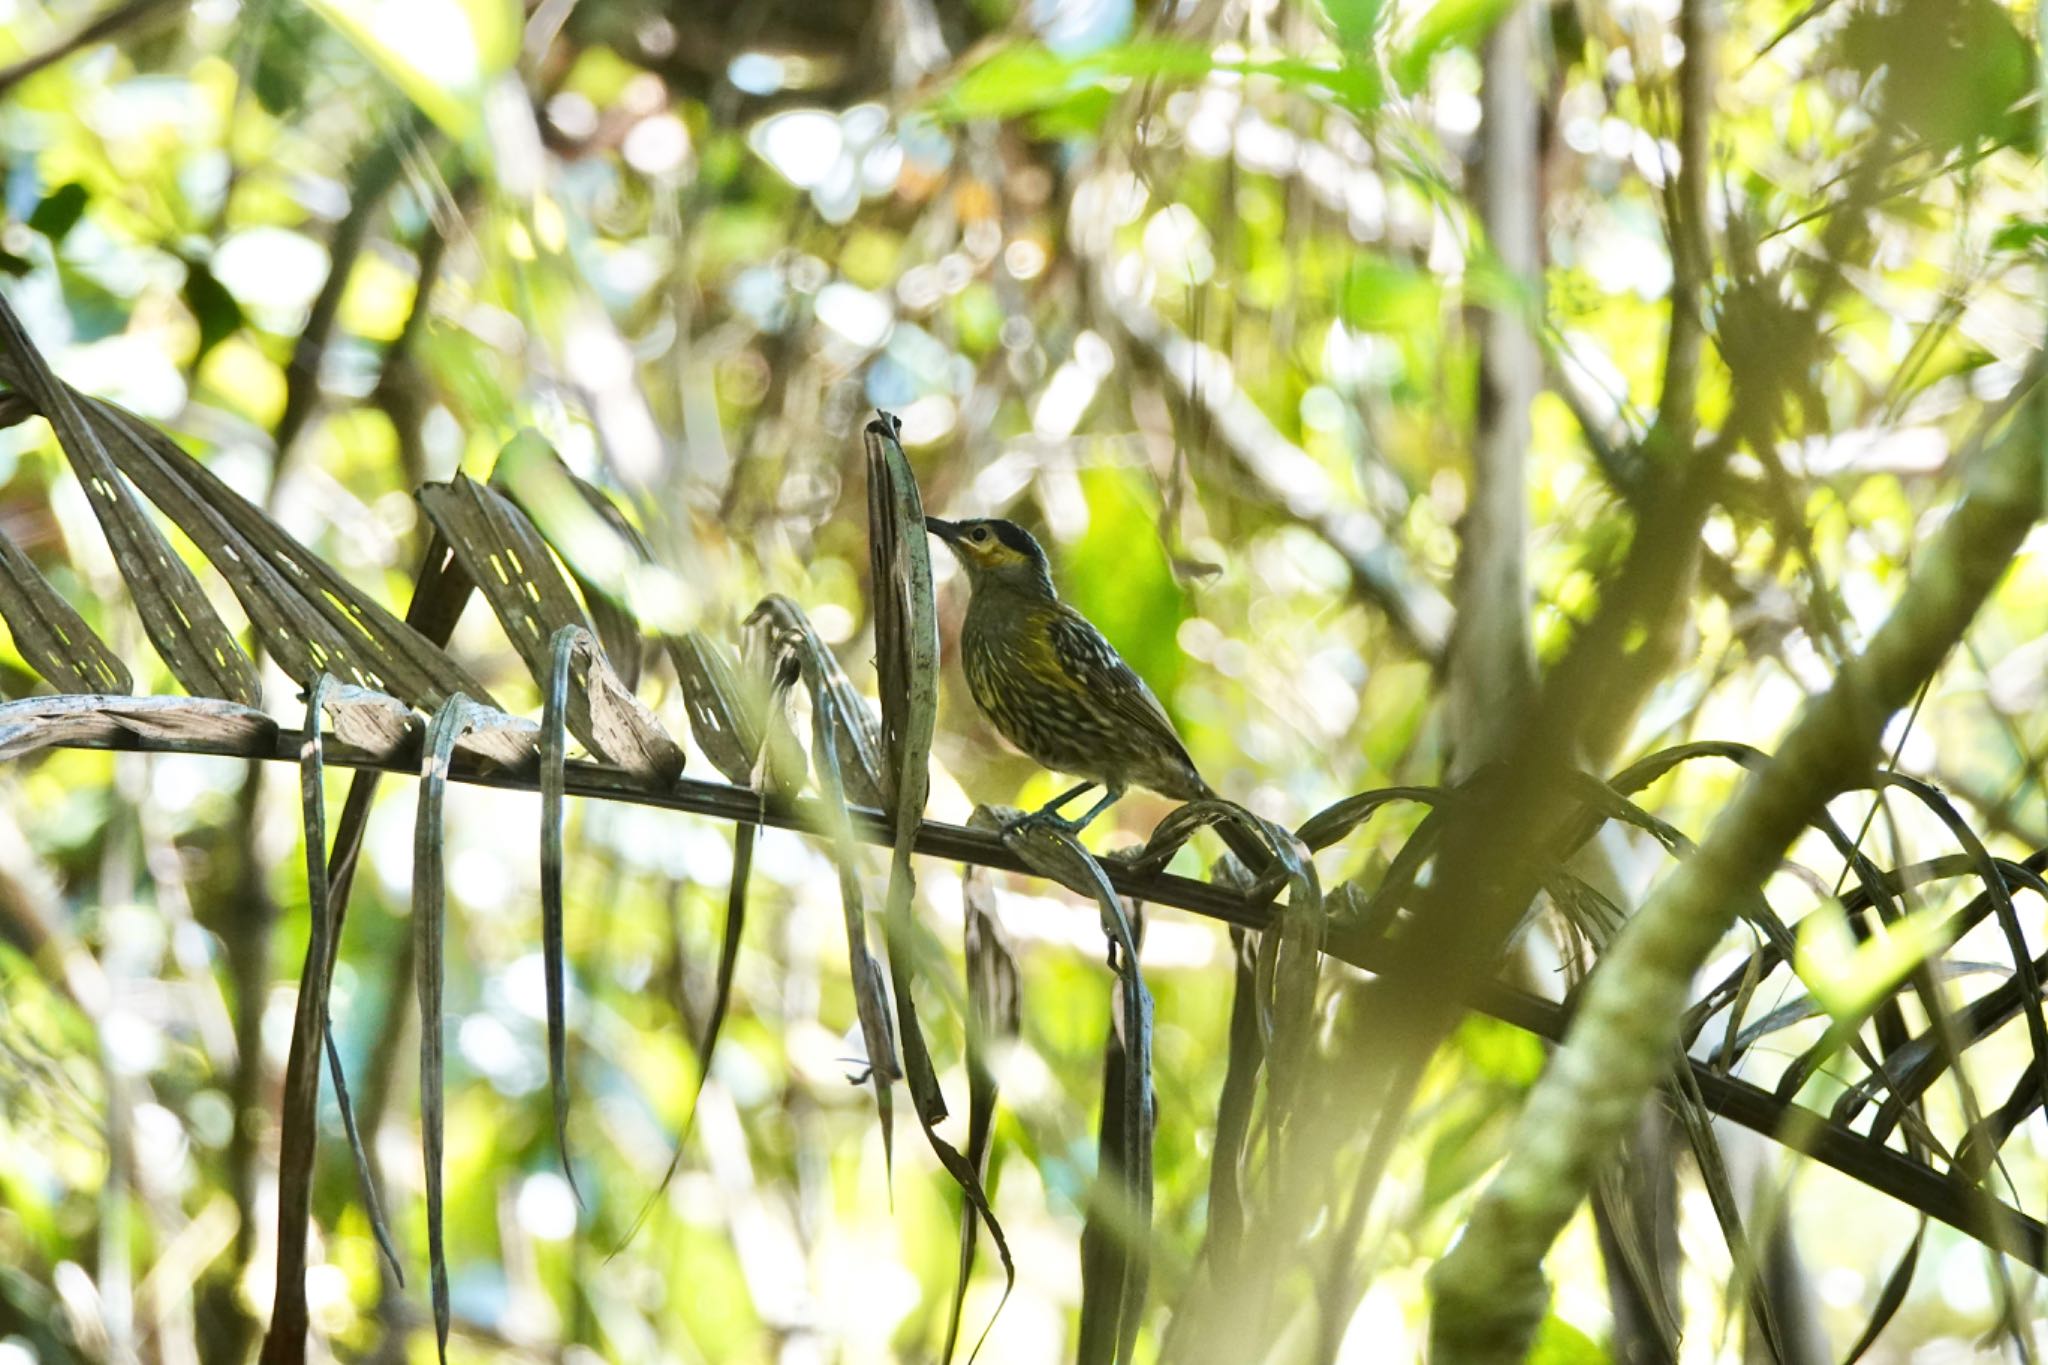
1560	1343
213	307
1848	978
1117	575
1022	78
1448	24
1383	296
1956	69
1015	80
59	211
2020	235
1501	1052
1356	22
443	54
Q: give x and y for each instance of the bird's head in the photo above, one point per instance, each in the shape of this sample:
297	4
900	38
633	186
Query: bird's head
995	553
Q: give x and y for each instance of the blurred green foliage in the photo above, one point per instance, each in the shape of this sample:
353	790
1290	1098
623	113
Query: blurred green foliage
1196	293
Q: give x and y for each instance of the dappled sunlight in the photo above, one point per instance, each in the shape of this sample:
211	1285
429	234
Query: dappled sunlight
661	327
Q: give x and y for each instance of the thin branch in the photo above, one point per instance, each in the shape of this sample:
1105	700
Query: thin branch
133	13
1953	1201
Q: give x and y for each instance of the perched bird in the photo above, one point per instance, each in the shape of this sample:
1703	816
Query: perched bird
1054	687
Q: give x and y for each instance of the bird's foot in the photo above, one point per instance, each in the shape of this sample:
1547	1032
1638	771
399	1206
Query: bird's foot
1044	818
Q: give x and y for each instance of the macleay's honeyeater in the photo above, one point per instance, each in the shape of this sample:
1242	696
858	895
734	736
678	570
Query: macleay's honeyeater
1055	688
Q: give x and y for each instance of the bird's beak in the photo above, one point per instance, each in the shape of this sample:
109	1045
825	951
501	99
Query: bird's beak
948	531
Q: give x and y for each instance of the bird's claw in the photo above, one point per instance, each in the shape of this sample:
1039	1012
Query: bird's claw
1042	819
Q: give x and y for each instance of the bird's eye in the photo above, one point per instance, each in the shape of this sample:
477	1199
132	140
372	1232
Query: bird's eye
981	533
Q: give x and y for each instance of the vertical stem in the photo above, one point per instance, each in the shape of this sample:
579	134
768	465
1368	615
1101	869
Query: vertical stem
1491	663
248	920
1691	254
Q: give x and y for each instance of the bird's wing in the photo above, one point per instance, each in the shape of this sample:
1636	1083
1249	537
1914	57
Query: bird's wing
1093	663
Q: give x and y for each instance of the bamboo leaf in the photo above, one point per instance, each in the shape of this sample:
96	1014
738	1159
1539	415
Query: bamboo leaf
1907	1175
797	653
310	618
373	721
1989	872
1628	1241
303	641
554	744
456	718
724	720
180	621
1116	1243
1748	1276
907	671
1892	1297
992	1016
623	727
364	717
1115	1257
856	739
312	1033
1246	1058
1624	1035
502	553
288	1322
530	466
842	726
1338	821
51	637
